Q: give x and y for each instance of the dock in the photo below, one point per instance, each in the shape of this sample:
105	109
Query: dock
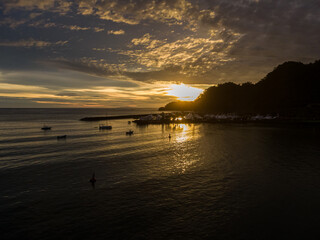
136	116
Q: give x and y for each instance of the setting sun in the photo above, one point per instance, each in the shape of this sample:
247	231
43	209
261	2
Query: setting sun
184	92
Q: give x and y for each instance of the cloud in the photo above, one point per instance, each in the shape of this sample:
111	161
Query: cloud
64	79
12	23
97	29
34	15
169	74
213	40
194	55
90	66
271	28
171	12
76	28
116	32
172	73
31	43
147	41
59	6
68	94
95	93
42	24
45	24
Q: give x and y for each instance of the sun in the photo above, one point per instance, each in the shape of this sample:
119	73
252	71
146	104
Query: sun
184	92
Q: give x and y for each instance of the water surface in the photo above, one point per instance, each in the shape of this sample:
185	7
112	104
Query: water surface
221	181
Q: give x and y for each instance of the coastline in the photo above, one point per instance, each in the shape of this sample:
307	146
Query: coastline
271	121
134	116
140	119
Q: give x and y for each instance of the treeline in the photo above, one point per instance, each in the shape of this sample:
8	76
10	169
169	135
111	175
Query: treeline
292	88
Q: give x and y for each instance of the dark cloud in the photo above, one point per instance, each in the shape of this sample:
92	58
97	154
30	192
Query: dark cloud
15	102
275	29
68	94
85	66
168	74
63	79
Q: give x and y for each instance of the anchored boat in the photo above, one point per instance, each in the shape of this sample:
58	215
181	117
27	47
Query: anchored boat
45	127
62	137
130	132
103	127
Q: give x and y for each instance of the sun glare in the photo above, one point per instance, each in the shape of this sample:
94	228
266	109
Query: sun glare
184	92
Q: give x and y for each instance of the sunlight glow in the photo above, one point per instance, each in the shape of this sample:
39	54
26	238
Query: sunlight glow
184	92
183	133
181	137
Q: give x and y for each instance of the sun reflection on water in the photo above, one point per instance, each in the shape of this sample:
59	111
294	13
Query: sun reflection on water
182	140
184	133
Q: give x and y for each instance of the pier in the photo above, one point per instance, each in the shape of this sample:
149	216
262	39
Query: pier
136	116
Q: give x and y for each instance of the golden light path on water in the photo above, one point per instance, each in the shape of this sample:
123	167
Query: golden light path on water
182	136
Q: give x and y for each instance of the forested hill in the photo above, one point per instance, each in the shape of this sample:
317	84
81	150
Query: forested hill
291	88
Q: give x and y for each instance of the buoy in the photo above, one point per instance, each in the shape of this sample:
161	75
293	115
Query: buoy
93	179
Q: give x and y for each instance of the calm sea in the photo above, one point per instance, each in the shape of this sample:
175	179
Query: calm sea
209	181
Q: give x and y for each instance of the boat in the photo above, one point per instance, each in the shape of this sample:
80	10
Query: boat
130	132
62	137
93	179
45	127
103	127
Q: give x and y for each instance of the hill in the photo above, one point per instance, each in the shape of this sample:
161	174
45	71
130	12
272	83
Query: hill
291	89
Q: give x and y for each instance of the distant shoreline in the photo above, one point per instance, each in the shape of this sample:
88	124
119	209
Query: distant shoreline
272	121
134	116
138	121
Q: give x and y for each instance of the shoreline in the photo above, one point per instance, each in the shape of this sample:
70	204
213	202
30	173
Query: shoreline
271	121
139	121
134	116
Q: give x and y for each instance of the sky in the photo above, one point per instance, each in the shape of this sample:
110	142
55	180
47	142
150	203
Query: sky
145	53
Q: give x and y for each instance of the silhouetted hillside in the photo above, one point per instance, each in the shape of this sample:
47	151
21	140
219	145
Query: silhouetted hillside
291	89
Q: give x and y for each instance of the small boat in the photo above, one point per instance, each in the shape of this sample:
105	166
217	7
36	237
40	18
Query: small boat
62	137
103	127
45	127
130	132
93	179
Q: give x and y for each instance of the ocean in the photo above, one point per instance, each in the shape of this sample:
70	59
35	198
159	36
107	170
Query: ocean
208	181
